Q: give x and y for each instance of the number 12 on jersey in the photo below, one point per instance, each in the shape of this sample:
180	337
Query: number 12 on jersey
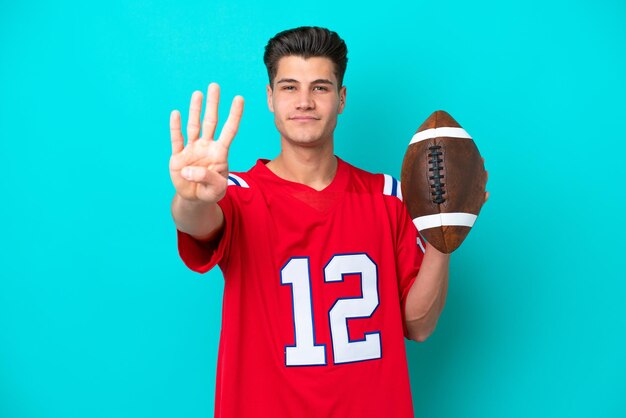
305	352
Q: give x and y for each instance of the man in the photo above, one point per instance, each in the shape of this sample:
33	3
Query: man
323	277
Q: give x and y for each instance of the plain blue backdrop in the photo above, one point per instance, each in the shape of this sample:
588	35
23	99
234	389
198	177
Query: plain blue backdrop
100	318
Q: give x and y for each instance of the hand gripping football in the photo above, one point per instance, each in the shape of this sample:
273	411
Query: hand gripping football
443	181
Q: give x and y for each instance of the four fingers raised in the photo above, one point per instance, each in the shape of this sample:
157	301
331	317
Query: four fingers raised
209	123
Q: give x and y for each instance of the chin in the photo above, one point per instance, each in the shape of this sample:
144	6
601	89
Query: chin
311	139
303	139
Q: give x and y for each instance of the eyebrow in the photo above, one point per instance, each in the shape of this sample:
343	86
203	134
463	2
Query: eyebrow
318	81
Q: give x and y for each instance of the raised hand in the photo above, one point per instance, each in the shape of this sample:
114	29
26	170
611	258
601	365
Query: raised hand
199	170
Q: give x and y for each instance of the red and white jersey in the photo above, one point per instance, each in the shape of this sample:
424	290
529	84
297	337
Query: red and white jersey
315	283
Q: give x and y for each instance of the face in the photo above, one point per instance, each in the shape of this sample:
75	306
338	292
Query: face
305	100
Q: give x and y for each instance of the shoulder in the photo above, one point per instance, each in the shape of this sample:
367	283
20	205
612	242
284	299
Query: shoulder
375	183
242	186
244	180
391	186
238	180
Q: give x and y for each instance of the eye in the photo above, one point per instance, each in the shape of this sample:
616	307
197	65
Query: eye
288	88
320	88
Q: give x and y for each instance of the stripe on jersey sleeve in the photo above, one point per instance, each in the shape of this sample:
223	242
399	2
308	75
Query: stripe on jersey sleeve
392	187
235	180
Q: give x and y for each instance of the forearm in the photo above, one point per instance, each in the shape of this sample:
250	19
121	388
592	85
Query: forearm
427	296
201	220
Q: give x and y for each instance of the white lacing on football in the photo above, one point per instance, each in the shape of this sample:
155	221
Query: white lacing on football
439	133
444	219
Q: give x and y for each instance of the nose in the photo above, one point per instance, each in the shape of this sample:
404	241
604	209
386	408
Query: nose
305	100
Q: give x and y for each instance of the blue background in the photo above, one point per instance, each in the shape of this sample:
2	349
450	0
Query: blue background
100	318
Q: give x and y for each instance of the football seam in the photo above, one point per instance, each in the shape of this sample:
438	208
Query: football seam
435	167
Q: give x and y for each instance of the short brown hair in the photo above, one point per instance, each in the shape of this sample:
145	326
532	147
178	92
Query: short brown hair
306	42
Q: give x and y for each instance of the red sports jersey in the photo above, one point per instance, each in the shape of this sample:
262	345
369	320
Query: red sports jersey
313	308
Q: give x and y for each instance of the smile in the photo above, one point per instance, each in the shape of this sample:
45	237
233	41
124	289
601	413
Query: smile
303	118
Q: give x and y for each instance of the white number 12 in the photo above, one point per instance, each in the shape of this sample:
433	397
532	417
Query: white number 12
305	352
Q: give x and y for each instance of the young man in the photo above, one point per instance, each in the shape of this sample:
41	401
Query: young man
323	273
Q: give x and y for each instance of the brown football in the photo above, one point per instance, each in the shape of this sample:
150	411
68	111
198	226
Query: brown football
443	181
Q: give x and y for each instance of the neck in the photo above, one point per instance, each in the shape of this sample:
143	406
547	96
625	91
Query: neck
312	167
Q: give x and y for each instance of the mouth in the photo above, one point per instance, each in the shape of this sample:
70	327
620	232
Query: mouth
303	118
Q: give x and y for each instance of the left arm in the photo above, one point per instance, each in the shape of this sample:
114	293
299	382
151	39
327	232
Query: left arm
427	295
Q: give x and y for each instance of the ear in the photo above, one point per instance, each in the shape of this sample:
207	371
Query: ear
270	103
342	99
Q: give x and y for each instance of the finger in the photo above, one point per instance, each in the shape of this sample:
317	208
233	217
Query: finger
202	175
193	173
232	123
178	142
193	123
210	113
